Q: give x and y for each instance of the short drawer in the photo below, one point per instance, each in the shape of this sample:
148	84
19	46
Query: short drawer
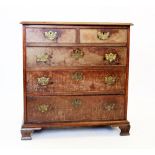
75	56
42	109
104	81
103	35
50	35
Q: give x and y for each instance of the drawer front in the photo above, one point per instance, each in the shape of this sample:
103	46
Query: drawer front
75	56
103	35
74	108
104	81
50	35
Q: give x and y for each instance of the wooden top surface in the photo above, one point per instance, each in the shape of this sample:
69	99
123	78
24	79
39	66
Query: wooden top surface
72	23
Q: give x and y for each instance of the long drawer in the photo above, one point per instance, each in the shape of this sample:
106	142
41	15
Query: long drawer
75	56
74	108
103	81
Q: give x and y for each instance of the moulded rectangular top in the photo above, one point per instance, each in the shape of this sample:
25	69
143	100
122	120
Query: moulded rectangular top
73	23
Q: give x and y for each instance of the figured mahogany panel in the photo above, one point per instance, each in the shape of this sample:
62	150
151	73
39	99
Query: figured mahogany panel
104	81
103	35
58	36
74	108
75	56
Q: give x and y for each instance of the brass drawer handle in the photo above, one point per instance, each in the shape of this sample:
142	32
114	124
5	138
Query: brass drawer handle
109	106
76	102
43	81
77	54
110	57
77	76
103	35
43	108
51	35
42	58
110	80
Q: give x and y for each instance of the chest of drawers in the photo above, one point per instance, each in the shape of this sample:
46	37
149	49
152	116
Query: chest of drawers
75	74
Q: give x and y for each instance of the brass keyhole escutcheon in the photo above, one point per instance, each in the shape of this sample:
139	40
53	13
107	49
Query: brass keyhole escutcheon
43	108
51	35
110	57
43	81
103	35
42	58
76	102
110	80
109	106
77	76
77	54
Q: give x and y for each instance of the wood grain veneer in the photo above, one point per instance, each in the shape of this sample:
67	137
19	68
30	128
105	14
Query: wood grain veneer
75	76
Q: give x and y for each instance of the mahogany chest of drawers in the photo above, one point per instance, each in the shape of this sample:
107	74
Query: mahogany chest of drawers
75	74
